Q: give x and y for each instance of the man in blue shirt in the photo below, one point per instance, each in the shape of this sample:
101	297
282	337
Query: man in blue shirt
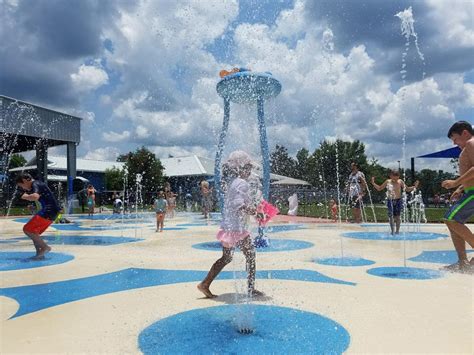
35	190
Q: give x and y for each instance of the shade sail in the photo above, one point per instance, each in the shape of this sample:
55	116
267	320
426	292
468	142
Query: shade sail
447	153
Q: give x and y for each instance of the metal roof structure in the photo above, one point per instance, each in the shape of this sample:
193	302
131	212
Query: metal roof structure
192	165
60	163
23	124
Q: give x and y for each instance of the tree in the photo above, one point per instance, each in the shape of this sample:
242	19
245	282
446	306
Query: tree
335	158
302	164
281	163
16	160
143	162
114	179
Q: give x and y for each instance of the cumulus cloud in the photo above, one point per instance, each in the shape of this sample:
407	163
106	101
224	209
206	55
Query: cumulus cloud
105	154
153	71
89	77
115	137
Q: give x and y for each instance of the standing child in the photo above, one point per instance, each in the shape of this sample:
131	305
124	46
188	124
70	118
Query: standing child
34	190
334	210
237	208
160	206
394	186
91	199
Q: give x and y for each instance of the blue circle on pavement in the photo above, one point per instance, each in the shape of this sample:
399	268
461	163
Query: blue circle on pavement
344	261
438	256
274	245
389	237
405	273
87	240
215	330
18	260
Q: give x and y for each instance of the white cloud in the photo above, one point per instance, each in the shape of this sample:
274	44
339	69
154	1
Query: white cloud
89	77
114	137
455	19
167	99
105	153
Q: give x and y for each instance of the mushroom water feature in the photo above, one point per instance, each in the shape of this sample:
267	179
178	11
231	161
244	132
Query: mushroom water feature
243	86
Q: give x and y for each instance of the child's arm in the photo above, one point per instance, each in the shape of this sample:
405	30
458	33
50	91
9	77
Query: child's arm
30	197
410	188
450	184
379	187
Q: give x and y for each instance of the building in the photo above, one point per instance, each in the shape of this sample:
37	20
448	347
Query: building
184	173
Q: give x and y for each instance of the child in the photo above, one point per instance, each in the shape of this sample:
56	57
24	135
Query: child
234	232
170	199
160	206
394	186
334	210
206	198
90	199
34	190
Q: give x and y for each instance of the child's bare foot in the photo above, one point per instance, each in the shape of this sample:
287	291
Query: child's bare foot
41	252
205	289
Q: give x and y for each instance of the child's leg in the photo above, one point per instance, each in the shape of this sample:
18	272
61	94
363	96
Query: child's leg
33	229
216	268
248	249
157	222
397	222
162	221
390	216
392	224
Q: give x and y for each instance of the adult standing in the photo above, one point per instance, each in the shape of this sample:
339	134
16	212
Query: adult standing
461	133
356	187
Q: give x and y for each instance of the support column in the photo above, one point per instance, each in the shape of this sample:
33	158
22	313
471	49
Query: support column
220	149
71	173
412	170
264	146
42	161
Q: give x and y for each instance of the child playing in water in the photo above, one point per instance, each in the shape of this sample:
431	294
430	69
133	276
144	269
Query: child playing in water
394	186
237	208
34	190
160	206
90	199
334	210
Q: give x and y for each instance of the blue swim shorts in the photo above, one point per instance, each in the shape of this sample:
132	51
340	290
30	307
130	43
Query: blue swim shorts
463	209
394	207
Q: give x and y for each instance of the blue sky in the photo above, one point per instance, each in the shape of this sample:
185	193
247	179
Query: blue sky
144	72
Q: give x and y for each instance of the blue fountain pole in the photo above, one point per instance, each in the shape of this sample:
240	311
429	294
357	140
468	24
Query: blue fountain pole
260	241
264	146
220	149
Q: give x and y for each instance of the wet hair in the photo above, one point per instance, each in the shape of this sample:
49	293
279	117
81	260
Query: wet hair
22	177
394	172
459	127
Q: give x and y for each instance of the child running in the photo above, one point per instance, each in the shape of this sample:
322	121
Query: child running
160	206
237	208
394	186
34	190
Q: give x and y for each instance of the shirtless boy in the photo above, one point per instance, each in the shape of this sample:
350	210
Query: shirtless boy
394	186
461	133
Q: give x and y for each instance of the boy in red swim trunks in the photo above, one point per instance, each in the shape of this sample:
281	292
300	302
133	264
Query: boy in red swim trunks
34	190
